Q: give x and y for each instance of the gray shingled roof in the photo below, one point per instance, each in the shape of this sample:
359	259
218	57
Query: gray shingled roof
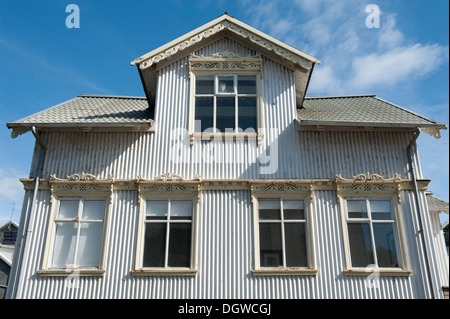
367	110
436	204
91	110
103	110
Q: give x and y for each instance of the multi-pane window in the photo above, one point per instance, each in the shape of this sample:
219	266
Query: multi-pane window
372	233
282	233
78	233
225	103
167	233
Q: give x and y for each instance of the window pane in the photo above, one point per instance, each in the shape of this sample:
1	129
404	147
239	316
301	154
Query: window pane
360	244
381	209
247	113
181	209
295	245
293	209
225	113
68	208
180	245
385	245
357	209
93	209
247	84
64	245
156	209
270	248
89	245
269	209
154	245
204	85
204	111
225	84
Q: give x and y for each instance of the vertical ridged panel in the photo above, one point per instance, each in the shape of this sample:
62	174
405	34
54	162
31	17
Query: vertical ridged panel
225	257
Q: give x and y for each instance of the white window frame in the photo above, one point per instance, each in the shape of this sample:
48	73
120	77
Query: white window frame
47	269
216	94
400	239
139	270
225	64
311	269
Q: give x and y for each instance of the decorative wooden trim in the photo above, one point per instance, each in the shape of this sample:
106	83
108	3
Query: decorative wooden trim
225	62
285	272
147	61
168	183
161	272
83	272
368	178
382	272
368	183
227	184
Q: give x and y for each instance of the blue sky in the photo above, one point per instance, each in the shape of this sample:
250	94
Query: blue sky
43	63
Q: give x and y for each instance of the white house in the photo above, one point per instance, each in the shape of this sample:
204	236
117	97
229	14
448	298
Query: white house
226	181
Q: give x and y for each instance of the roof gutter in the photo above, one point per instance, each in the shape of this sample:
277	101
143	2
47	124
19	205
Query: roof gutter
409	151
22	250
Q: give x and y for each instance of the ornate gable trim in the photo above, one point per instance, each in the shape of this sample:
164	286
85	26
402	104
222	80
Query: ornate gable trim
226	23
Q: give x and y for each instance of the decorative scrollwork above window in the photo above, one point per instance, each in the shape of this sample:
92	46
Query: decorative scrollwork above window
225	61
81	184
368	183
168	184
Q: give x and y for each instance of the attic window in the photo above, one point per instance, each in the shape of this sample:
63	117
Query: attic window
225	103
225	95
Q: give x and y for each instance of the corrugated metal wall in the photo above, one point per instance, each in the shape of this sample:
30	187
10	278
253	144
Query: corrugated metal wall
225	257
225	233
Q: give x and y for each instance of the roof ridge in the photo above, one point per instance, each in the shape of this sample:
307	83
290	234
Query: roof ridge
338	96
112	96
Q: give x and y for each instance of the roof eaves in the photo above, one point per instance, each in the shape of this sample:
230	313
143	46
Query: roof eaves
432	122
368	124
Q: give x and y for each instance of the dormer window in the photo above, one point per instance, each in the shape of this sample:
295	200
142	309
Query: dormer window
225	92
225	103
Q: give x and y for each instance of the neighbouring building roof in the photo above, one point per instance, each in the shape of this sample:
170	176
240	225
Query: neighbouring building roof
89	111
361	110
6	254
435	204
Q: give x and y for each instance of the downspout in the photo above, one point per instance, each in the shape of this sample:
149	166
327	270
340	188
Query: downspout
24	242
409	151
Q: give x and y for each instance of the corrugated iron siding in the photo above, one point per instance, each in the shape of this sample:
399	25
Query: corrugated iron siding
301	155
225	233
225	257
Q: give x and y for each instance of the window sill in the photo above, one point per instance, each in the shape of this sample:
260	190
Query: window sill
382	272
240	136
284	272
63	272
164	272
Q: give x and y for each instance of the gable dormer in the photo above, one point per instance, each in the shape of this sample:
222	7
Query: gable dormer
225	26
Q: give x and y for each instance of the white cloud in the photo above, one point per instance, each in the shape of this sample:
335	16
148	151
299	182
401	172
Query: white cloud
10	186
355	59
397	65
